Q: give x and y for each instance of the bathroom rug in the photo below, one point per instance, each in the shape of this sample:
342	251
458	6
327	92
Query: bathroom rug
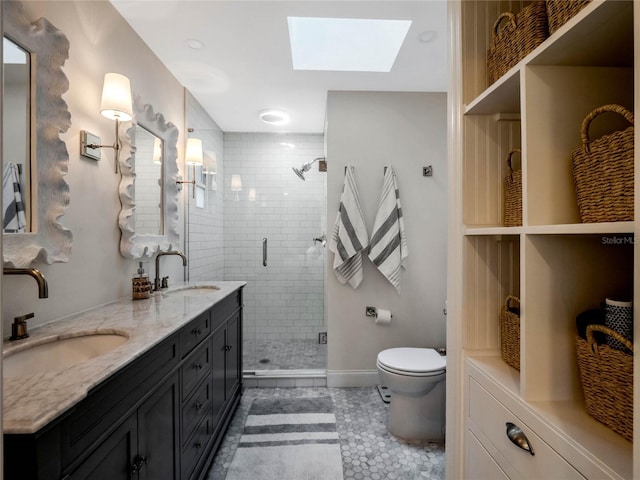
288	439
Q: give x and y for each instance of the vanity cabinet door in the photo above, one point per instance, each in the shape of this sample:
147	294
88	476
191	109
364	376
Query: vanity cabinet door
158	433
218	340
233	361
144	447
113	459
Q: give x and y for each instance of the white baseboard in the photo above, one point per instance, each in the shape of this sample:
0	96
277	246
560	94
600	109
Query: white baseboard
352	378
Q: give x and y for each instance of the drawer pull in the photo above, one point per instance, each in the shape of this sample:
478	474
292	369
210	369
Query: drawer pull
517	437
198	445
196	331
138	463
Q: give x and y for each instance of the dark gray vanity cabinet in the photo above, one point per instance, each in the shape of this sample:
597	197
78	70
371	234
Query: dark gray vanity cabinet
143	446
162	417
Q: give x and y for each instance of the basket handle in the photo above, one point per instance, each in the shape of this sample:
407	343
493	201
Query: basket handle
591	341
603	109
509	155
509	298
512	21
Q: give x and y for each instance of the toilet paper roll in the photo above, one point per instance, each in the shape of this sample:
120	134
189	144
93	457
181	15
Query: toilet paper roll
383	317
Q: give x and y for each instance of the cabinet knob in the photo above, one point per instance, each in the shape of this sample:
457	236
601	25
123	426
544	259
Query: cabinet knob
518	438
197	366
198	405
196	331
138	462
198	445
228	347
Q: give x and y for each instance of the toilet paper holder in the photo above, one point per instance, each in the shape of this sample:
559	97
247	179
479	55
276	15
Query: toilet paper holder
372	312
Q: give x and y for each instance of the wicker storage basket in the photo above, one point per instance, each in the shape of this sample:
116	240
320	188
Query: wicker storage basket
603	171
607	381
559	11
513	194
523	33
510	333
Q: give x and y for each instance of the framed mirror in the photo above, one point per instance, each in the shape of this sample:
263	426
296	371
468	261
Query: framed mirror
35	193
148	189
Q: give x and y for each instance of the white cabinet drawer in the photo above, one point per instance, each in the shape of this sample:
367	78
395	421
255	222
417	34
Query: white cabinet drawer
490	417
480	464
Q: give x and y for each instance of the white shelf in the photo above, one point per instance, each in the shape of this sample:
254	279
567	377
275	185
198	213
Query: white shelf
599	35
497	370
625	230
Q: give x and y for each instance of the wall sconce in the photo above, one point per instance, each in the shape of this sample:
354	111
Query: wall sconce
115	105
236	185
193	157
210	167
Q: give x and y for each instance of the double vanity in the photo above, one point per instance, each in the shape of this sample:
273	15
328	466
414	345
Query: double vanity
130	390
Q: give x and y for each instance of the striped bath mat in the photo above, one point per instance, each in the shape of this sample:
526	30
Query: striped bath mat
288	439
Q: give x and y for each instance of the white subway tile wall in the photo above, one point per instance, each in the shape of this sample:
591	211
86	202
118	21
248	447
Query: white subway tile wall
285	299
204	228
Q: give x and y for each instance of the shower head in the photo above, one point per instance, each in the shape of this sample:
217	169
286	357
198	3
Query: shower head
300	171
305	168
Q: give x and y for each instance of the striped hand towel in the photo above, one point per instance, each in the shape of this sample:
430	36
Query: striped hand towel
13	220
349	237
388	249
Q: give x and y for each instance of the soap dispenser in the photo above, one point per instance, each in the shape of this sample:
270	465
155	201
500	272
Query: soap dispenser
141	284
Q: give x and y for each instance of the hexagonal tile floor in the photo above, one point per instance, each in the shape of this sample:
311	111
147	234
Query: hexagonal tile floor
369	451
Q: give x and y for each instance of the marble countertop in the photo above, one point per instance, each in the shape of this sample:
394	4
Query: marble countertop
30	403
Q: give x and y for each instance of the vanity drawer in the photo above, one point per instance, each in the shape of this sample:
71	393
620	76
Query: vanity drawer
196	445
194	333
489	417
225	307
194	408
196	367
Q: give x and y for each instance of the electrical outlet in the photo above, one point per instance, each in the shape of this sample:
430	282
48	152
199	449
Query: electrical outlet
322	338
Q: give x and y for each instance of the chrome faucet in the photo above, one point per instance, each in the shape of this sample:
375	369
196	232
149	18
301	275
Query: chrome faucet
43	287
156	282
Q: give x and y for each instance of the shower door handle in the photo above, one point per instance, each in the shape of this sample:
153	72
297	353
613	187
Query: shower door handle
264	252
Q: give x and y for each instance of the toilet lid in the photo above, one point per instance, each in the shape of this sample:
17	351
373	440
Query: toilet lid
412	360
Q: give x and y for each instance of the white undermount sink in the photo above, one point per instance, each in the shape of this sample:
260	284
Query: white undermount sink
191	289
59	354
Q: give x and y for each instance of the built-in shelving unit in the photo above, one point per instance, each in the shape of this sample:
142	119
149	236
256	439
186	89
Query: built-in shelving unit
557	266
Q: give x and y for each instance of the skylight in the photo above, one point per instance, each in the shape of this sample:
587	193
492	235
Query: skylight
345	44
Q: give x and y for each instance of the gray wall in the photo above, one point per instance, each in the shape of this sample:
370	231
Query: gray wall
408	131
100	42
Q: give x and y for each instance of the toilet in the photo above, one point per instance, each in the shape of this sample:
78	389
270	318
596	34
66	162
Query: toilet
416	378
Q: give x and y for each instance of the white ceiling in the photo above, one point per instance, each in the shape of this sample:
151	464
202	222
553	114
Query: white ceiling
245	64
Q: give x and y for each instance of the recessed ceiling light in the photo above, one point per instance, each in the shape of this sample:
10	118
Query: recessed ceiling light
195	44
427	36
345	44
274	117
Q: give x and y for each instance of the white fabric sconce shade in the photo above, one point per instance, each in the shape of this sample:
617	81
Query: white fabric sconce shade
194	151
116	98
236	183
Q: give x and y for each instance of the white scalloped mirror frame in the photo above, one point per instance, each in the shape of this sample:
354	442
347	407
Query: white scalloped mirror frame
133	245
49	242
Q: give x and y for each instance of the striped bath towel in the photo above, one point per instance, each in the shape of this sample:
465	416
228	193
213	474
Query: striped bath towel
13	220
388	249
349	237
